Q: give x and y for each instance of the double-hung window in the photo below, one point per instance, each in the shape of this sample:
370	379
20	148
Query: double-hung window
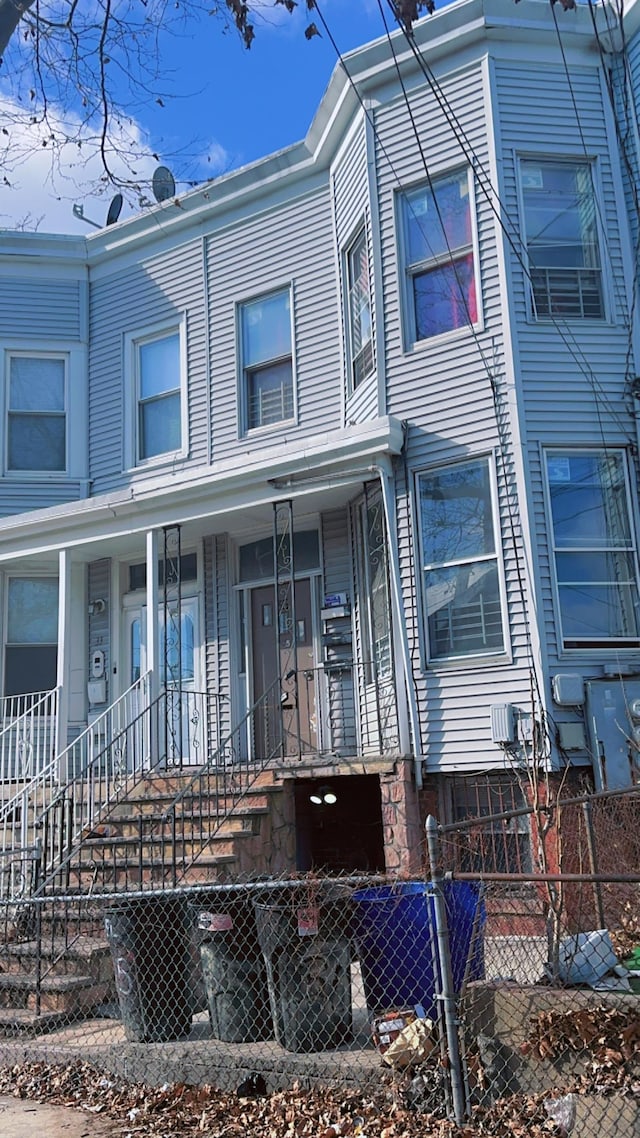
31	642
158	383
36	413
360	328
267	360
561	232
439	261
461	575
594	549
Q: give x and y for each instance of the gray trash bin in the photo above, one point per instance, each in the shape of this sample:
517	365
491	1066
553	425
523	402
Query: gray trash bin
233	968
305	937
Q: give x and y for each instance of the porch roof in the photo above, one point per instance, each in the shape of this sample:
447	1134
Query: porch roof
326	464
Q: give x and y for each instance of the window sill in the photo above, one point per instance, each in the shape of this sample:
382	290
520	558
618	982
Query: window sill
269	428
443	338
468	663
158	462
40	475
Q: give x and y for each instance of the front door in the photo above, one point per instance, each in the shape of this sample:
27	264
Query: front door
286	723
182	724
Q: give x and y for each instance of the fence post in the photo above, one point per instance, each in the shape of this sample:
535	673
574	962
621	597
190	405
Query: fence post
444	976
593	861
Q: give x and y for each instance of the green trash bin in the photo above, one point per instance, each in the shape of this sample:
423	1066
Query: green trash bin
233	968
149	942
305	935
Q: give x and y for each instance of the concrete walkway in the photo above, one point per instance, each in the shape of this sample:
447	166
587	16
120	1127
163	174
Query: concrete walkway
21	1119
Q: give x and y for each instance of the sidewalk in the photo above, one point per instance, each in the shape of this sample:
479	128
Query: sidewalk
21	1119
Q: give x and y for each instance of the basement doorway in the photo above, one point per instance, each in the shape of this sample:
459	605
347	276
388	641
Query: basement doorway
339	824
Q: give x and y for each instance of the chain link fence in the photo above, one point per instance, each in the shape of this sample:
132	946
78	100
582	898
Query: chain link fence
497	1001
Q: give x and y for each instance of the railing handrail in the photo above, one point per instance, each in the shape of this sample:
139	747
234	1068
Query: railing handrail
43	697
41	777
220	749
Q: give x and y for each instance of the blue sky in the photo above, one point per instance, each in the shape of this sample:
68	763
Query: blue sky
224	106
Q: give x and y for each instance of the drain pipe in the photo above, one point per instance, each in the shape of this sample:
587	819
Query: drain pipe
385	471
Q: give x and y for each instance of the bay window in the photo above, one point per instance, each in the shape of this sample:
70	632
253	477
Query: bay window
594	549
561	232
461	575
440	271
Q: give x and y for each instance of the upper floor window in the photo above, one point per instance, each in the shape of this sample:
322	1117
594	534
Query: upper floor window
36	413
561	234
159	400
267	360
439	256
462	593
594	549
360	330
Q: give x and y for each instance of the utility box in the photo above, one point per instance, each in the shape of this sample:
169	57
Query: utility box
503	723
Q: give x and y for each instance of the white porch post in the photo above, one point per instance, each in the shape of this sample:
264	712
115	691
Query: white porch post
64	635
152	633
151	648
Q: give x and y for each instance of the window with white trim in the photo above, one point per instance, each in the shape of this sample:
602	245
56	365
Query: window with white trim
360	329
561	232
439	258
36	412
157	361
594	549
31	642
267	360
461	572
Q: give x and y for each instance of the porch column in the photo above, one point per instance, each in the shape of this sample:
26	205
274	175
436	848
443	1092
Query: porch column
62	675
152	629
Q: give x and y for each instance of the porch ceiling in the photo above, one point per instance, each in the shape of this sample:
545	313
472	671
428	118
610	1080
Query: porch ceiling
322	474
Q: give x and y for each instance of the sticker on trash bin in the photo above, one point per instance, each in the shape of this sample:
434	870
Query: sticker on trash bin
215	922
307	922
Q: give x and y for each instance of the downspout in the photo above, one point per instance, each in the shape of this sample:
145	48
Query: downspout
412	727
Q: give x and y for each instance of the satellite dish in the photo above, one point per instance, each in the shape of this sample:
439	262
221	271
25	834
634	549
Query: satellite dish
113	213
163	184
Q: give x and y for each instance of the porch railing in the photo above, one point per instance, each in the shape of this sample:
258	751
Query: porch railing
27	734
199	810
74	785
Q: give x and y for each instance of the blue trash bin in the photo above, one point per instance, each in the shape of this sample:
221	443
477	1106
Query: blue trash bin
394	928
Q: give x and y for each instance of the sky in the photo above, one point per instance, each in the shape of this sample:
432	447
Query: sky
224	106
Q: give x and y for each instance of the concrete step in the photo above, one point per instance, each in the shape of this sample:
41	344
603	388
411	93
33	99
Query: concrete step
88	955
68	994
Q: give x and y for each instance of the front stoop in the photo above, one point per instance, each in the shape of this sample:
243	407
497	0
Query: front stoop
74	981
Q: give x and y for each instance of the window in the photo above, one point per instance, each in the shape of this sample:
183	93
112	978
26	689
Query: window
373	578
31	650
439	257
500	846
267	359
594	549
360	330
459	560
562	239
36	413
158	391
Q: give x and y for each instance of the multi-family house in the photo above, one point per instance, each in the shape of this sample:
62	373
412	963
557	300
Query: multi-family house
328	468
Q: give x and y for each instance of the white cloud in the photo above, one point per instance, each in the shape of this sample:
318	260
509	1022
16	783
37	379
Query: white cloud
39	183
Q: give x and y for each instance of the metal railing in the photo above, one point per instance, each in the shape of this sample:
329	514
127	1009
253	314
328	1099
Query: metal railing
63	797
27	733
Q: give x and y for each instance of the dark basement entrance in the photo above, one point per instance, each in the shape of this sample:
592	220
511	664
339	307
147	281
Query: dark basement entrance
339	824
